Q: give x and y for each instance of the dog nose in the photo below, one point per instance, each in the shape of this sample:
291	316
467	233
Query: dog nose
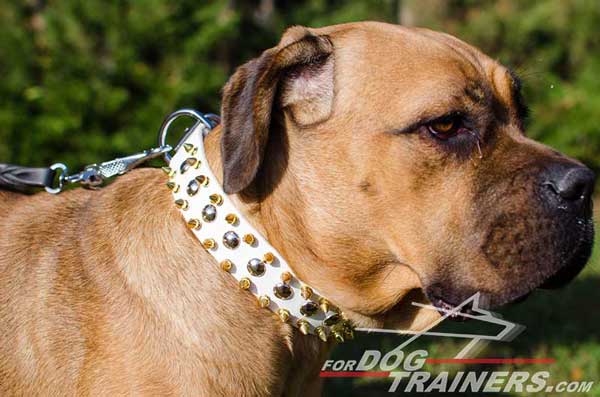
572	184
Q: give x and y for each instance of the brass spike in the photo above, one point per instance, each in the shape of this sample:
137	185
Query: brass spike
194	224
306	291
168	171
191	149
286	277
173	186
226	265
181	204
303	326
231	219
264	301
245	283
209	243
338	336
249	239
268	258
344	327
324	304
216	199
320	331
349	333
202	180
284	315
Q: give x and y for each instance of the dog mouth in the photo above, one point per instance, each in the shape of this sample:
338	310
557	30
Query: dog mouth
454	300
452	311
448	297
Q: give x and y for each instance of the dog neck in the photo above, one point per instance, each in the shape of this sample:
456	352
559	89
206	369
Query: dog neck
276	205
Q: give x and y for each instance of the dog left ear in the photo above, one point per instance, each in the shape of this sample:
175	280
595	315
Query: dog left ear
296	76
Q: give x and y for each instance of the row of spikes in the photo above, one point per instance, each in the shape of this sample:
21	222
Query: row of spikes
341	330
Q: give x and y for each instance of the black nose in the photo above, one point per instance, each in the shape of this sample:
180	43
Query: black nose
572	184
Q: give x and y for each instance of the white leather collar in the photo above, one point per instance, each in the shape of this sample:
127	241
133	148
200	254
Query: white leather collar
243	252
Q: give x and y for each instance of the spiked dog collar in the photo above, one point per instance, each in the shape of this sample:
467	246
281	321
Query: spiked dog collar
240	249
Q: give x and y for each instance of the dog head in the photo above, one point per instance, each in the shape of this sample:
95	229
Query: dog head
388	160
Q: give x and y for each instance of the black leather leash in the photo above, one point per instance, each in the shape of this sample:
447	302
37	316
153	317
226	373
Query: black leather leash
54	178
16	177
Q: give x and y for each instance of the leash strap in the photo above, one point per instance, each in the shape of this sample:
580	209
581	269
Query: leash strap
15	177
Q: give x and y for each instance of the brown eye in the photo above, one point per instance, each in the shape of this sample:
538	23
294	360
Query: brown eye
445	127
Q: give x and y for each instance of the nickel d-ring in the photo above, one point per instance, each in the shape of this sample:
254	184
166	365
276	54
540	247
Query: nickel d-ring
61	178
209	120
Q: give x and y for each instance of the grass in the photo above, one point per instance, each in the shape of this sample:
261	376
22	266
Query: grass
562	324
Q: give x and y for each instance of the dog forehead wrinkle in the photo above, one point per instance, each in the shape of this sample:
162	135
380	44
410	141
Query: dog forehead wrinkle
471	66
475	92
466	55
428	105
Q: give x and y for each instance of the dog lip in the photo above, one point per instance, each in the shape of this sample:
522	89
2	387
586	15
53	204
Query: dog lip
577	261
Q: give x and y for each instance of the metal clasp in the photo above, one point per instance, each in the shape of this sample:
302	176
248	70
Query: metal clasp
93	175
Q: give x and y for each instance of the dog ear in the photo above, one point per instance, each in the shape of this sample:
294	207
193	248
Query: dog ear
297	75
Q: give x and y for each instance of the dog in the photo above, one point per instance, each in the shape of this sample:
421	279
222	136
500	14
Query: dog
387	165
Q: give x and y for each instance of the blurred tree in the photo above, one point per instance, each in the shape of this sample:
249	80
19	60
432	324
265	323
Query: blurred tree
86	80
83	81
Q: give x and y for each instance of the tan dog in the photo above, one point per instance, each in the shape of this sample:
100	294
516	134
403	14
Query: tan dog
386	164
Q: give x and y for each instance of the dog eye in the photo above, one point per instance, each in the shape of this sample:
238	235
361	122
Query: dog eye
445	127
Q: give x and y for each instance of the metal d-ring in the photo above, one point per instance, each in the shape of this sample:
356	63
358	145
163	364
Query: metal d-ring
61	178
209	121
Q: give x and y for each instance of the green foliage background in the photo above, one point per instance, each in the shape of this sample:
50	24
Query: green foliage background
81	81
84	80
